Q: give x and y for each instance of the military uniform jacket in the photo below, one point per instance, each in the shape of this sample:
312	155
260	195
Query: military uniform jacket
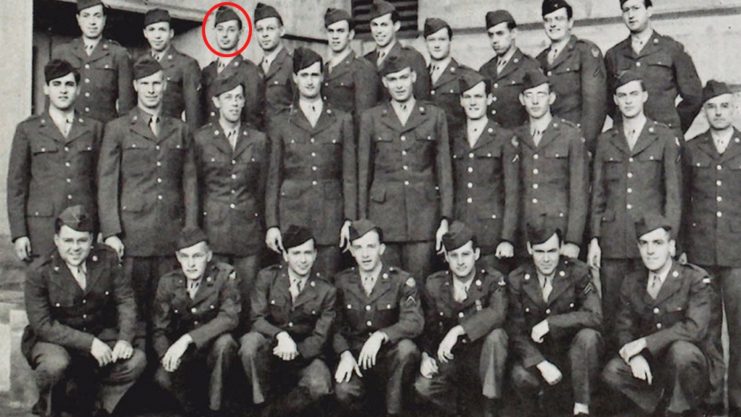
484	310
506	87
667	72
212	312
419	66
254	86
48	173
681	311
351	86
308	319
61	312
278	84
555	178
393	307
573	305
446	94
487	184
312	179
147	185
183	76
232	188
712	193
405	183
105	76
578	78
629	184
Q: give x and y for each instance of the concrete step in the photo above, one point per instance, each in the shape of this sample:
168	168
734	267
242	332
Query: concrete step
17	387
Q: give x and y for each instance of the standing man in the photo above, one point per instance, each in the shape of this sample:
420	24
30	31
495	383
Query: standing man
182	95
636	172
232	161
228	28
710	234
105	67
405	182
445	72
464	344
554	166
666	69
195	310
82	319
486	168
52	164
350	82
275	67
506	71
384	25
378	316
555	320
576	72
292	314
664	312
312	180
147	186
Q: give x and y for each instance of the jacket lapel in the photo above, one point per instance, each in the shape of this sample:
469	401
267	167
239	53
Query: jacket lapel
276	65
733	149
618	140
79	128
50	130
340	69
449	74
560	283
140	124
220	141
389	117
511	65
93	275
100	51
308	293
474	291
383	285
167	127
62	277
416	118
645	139
672	284
244	142
531	286
326	119
550	134
567	50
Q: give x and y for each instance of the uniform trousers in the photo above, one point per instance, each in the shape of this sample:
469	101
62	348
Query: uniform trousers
681	371
455	389
413	257
145	273
246	268
612	273
713	346
53	364
328	260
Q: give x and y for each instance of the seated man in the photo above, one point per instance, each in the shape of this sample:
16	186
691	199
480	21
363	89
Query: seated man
554	321
378	315
82	316
292	313
195	309
662	321
465	309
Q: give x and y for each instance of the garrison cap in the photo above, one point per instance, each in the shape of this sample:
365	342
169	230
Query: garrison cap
304	58
650	222
226	14
550	6
76	217
84	4
57	68
359	228
626	77
434	25
146	67
533	78
263	11
541	229
394	63
332	16
497	17
380	8
296	236
714	89
458	235
190	236
224	84
470	79
156	16
647	2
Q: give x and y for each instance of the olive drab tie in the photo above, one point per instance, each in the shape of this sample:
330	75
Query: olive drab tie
154	125
232	137
547	287
654	286
369	281
297	285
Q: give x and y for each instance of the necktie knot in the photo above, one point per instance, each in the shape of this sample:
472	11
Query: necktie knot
154	125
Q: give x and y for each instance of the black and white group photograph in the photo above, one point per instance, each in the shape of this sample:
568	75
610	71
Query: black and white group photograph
370	208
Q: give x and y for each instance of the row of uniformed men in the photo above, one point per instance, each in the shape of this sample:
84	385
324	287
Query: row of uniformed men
465	321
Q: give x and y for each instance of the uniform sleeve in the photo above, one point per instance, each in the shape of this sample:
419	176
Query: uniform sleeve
589	313
598	191
109	172
19	177
612	73
493	316
521	344
411	321
593	93
190	182
349	169
690	88
366	90
124	297
275	176
443	168
126	95
673	183
365	162
161	318
339	342
227	318
697	318
430	338
313	345
42	322
423	83
259	308
626	320
254	108
511	161
687	176
191	95
578	189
